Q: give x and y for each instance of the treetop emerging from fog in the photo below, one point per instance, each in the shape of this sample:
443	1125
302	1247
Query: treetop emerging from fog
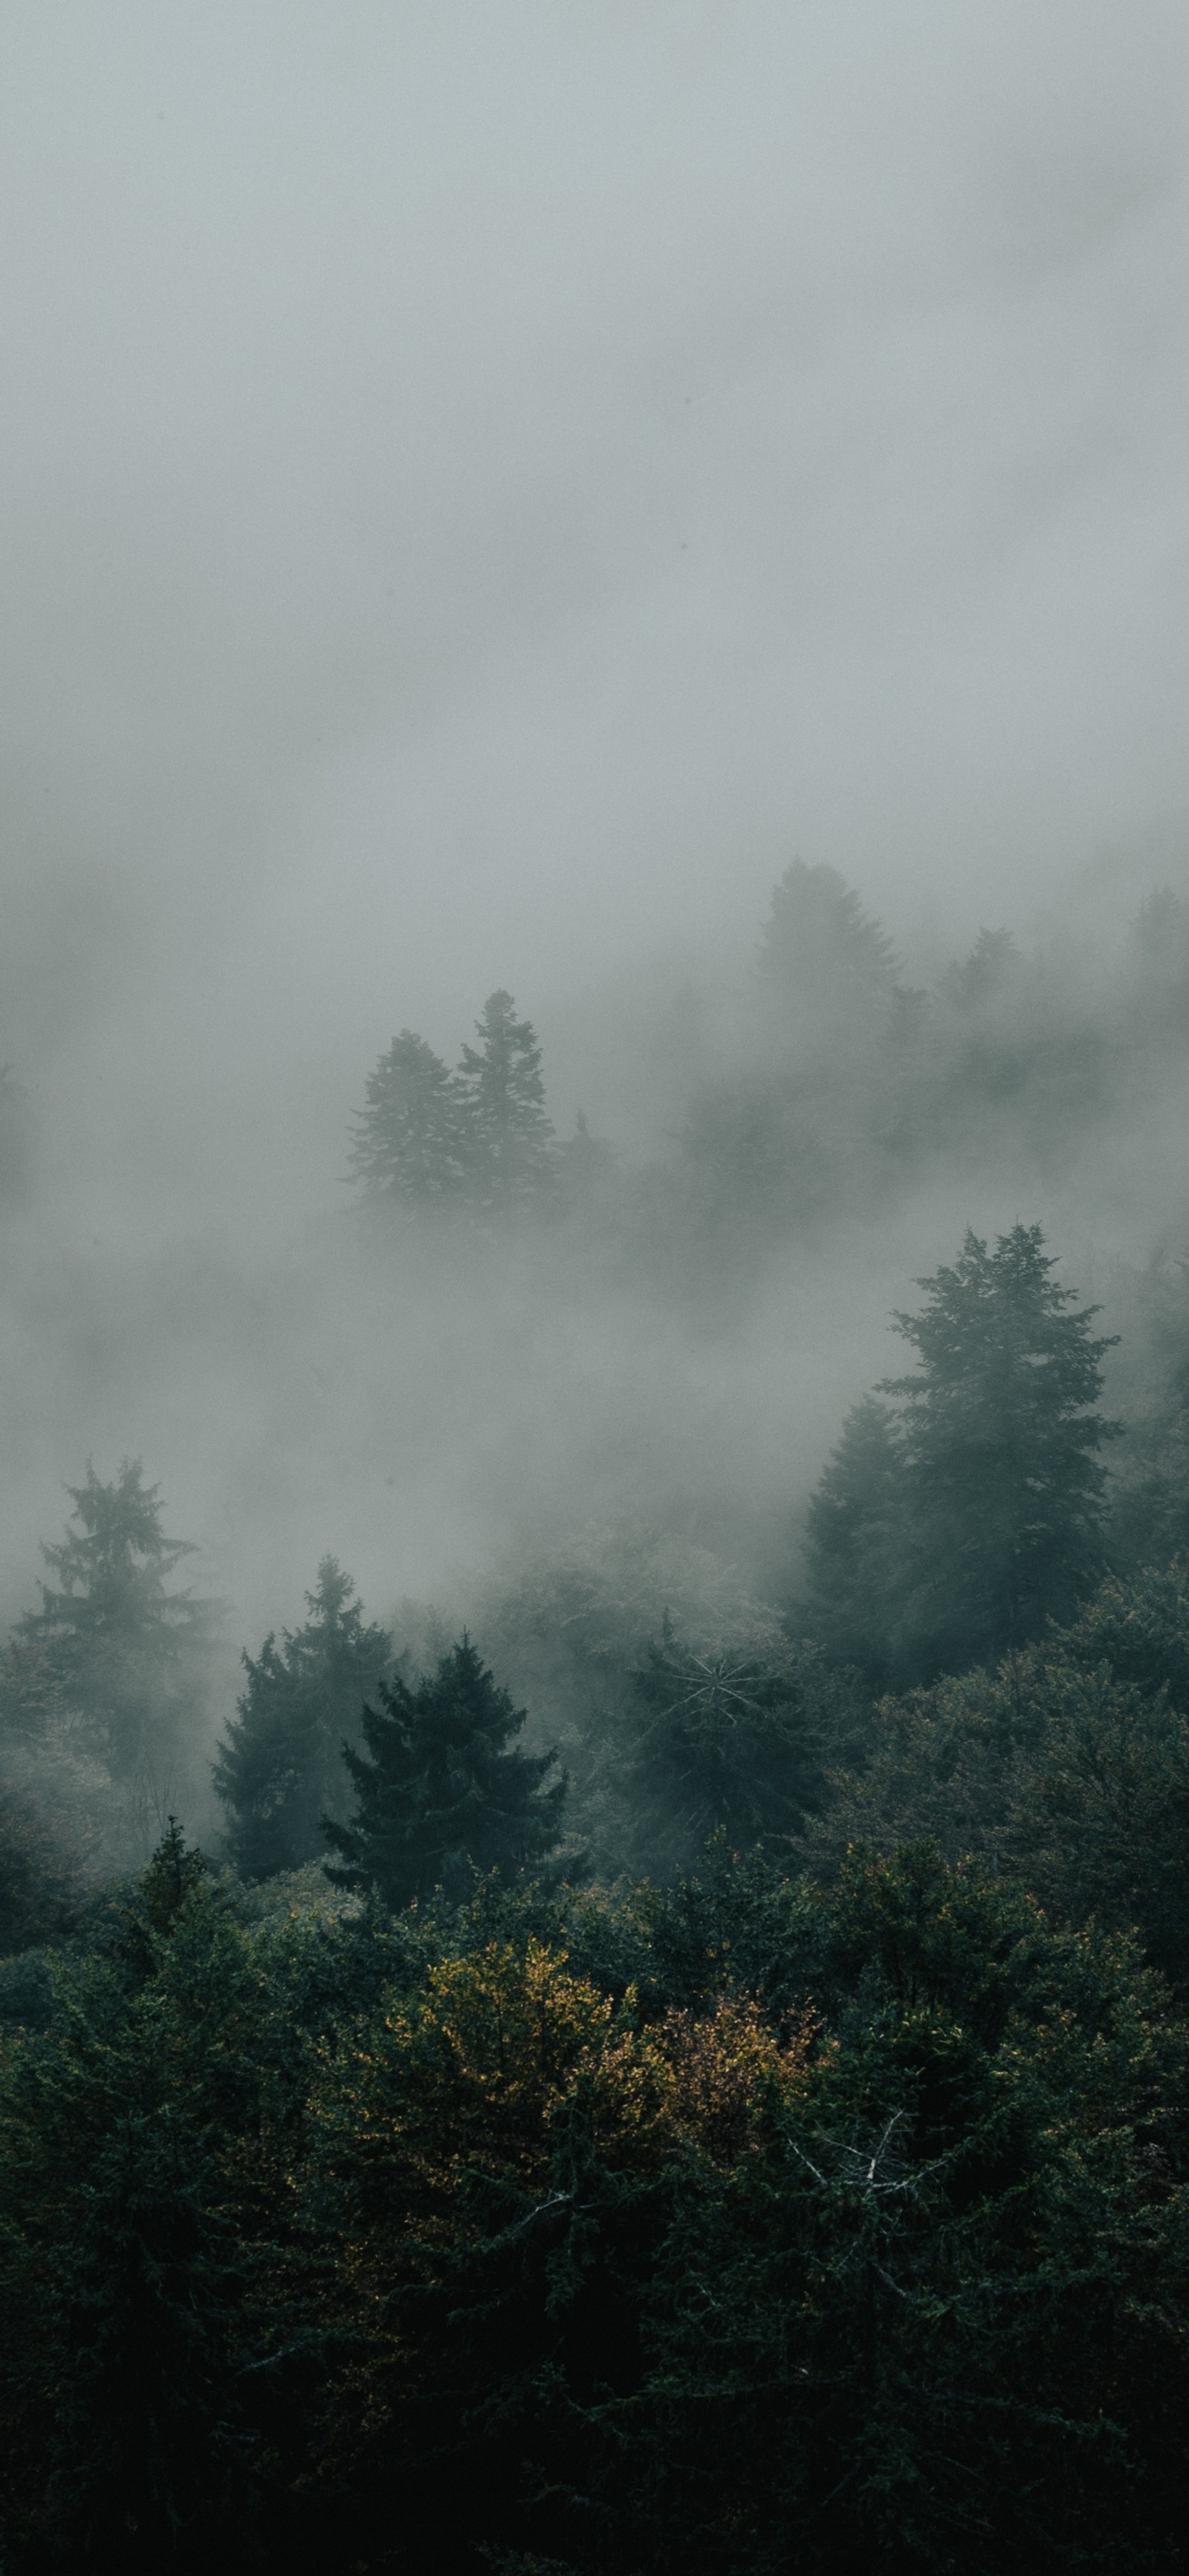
477	1138
943	1533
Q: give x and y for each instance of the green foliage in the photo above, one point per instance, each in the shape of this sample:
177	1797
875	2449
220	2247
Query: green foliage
1069	1766
114	1669
441	1793
43	1869
948	1533
713	1740
280	1765
615	2235
856	1532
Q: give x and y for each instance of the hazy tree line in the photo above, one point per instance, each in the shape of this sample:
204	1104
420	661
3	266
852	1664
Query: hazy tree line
829	1084
738	2108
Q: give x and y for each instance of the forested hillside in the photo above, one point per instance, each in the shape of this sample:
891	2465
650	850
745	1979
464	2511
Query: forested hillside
656	2039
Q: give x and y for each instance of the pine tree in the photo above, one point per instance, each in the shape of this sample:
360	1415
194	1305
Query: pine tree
856	1539
946	1532
414	1144
718	1741
1004	1488
124	1656
440	1792
281	1762
820	950
504	1090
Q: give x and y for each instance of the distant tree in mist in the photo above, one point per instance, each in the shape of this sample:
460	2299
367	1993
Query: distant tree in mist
281	1763
856	1540
820	949
510	1137
964	1520
412	1143
441	1791
478	1138
116	1657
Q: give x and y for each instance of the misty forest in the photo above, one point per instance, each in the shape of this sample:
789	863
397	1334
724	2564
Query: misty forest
671	2050
594	1288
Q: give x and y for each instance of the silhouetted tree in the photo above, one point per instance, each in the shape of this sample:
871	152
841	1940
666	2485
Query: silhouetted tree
413	1144
510	1139
820	949
281	1762
946	1535
128	1658
1004	1488
440	1791
856	1541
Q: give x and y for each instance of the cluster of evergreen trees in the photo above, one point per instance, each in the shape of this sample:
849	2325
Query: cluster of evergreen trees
827	1086
964	1510
668	2230
476	1138
393	2185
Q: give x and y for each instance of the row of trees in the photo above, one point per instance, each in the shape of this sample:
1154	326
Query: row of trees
669	2231
963	1510
829	1083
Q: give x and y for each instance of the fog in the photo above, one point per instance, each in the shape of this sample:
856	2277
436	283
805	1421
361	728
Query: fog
485	490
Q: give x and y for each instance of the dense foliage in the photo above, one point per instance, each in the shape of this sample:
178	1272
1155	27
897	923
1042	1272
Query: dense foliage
441	1791
609	2235
762	2142
945	1533
280	1766
109	1680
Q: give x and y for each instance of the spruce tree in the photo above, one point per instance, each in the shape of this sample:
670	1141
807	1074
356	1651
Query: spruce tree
856	1541
414	1142
820	950
115	1654
441	1792
504	1091
280	1764
945	1533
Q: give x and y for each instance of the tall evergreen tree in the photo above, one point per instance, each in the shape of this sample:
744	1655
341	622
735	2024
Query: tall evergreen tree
856	1541
280	1764
1004	1484
117	1652
504	1089
957	1526
441	1791
414	1143
820	949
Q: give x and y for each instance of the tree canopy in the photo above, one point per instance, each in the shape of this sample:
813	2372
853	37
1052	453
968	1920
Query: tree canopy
441	1791
949	1525
280	1766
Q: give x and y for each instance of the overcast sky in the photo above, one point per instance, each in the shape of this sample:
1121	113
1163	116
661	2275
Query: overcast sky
485	485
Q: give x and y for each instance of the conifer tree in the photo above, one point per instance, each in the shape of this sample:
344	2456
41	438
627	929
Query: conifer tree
413	1144
856	1541
820	949
280	1764
511	1138
116	1653
441	1792
945	1534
